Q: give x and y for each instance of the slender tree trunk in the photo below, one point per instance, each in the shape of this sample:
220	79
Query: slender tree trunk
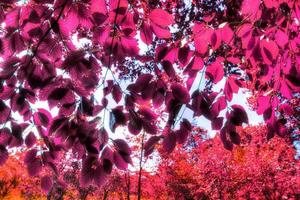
127	178
83	194
105	195
140	172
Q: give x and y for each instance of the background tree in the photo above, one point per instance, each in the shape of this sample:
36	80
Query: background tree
15	183
258	168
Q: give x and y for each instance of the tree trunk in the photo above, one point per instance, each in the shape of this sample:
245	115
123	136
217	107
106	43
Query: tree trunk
127	178
140	172
105	195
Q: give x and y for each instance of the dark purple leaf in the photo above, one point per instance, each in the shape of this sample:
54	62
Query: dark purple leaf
46	183
169	142
180	93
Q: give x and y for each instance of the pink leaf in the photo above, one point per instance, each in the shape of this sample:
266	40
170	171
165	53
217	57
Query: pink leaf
203	36
183	54
100	176
230	88
149	127
263	104
122	146
147	113
146	34
234	137
271	3
5	137
140	83
87	172
135	123
161	32
218	106
215	39
201	44
161	17
130	46
226	34
198	63
285	90
117	118
98	6
250	9
269	51
281	38
215	71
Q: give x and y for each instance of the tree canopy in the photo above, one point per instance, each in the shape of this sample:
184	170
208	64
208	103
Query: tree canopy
73	73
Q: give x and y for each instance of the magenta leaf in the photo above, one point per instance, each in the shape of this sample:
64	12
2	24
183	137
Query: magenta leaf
122	147
117	118
250	8
5	137
30	139
269	51
119	161
230	88
146	34
34	167
198	63
169	142
168	67
161	17
100	176
42	117
117	93
140	83
3	155
161	32
148	90
46	183
180	93
183	54
149	127
238	115
227	143
234	137
215	71
217	123
281	38
263	104
150	145
5	112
